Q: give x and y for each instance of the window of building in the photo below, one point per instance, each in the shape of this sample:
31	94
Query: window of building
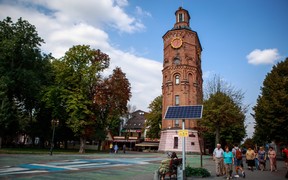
177	100
176	61
175	142
180	17
176	123
177	79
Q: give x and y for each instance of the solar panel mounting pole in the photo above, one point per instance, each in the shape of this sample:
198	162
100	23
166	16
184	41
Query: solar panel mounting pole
183	150
182	112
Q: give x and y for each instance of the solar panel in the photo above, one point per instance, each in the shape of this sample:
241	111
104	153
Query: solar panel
184	112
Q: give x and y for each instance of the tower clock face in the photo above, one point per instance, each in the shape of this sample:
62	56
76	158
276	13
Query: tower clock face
176	42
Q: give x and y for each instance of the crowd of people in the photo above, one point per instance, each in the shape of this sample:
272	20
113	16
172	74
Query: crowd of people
255	159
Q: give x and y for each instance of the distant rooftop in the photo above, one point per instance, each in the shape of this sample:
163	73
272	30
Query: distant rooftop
137	121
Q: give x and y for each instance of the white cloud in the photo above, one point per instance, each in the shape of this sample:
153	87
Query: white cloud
65	23
266	56
121	3
141	12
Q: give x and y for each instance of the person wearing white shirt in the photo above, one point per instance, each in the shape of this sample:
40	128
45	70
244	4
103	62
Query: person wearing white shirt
218	158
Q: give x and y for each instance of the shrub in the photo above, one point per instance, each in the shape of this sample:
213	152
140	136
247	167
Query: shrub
202	172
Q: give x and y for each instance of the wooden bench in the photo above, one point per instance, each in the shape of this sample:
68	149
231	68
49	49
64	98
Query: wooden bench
169	169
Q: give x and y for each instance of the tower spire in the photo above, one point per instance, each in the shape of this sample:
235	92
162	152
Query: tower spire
182	19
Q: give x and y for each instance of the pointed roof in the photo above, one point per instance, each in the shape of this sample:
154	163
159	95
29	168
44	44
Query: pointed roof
137	121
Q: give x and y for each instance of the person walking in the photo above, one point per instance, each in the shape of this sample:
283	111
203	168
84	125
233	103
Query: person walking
116	148
262	158
285	153
256	159
111	147
250	156
228	162
218	158
237	153
272	159
124	148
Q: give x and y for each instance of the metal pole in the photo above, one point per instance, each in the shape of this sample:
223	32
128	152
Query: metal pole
52	141
183	151
201	152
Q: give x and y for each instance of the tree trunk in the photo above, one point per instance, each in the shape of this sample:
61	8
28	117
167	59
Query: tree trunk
217	138
82	145
65	144
0	142
99	145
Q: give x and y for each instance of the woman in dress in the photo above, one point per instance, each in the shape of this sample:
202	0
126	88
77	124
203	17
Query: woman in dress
272	159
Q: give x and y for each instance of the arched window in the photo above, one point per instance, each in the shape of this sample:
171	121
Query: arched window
176	61
177	79
180	17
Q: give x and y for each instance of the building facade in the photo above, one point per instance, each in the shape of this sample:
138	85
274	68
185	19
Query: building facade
182	81
133	131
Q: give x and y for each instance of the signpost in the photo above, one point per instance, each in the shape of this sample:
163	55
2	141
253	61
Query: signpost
183	112
183	133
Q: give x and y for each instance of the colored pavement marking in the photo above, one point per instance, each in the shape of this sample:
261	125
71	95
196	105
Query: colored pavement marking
73	165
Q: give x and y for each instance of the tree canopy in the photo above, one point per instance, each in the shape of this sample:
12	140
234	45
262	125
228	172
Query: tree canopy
223	115
21	76
35	88
75	86
271	110
110	101
154	118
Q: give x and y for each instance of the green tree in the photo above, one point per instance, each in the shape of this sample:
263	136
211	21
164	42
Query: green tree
223	114
154	118
271	110
23	74
76	76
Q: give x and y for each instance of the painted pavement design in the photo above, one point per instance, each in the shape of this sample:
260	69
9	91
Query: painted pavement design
72	165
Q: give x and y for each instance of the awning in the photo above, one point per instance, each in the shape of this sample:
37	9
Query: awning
146	144
120	140
131	130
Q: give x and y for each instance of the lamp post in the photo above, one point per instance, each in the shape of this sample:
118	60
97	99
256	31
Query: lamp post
54	123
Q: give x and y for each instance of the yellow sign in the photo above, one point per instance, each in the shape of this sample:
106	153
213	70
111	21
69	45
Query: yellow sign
183	133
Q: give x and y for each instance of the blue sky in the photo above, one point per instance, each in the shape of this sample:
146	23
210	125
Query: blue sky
241	39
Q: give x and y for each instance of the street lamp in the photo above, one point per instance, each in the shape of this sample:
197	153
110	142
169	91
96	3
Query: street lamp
54	123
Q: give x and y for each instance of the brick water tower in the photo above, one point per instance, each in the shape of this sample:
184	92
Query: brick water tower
182	82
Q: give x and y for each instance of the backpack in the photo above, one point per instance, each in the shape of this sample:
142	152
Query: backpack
238	154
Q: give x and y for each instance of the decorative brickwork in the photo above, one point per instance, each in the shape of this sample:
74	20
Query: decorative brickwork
182	81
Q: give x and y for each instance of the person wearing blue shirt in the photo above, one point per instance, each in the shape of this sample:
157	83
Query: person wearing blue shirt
228	162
